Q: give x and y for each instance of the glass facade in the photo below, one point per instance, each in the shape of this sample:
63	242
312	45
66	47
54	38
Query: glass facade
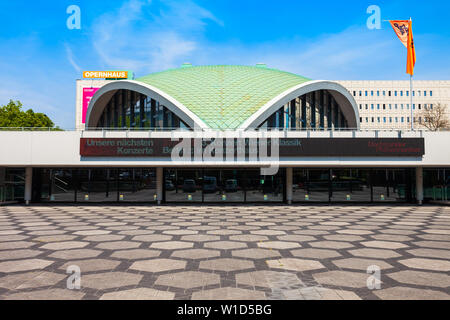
228	185
315	110
223	185
94	185
353	185
129	109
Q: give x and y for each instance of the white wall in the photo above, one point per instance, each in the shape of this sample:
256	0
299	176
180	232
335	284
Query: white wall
58	149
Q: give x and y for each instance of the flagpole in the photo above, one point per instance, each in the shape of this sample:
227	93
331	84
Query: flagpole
412	95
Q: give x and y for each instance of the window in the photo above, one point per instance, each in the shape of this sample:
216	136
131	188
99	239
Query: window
360	119
384	119
378	93
408	119
407	106
360	107
407	93
403	119
401	106
418	93
378	119
396	119
371	93
425	93
367	119
420	106
354	93
384	107
395	93
401	93
390	106
384	93
389	93
367	106
371	106
431	93
431	106
414	93
390	119
366	93
414	106
373	119
360	93
396	106
378	106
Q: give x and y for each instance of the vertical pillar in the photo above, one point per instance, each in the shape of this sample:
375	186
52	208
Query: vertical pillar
303	101
153	114
293	113
159	184
322	109
289	181
142	111
132	111
123	108
313	108
419	185
28	184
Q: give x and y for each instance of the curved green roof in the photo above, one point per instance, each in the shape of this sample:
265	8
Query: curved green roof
223	96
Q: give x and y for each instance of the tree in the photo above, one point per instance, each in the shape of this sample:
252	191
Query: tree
435	118
12	116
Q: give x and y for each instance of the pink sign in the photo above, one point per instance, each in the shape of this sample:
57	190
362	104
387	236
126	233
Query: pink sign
88	93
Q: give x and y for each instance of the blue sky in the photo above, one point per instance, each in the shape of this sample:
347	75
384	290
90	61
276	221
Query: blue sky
40	59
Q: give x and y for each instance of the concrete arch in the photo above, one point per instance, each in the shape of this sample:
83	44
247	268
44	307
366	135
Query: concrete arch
104	95
344	99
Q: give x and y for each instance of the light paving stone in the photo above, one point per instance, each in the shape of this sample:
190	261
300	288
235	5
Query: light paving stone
354	232
102	238
343	237
225	245
47	294
375	253
248	238
118	245
268	232
406	293
92	232
109	280
24	265
19	254
331	244
228	293
91	265
281	245
256	253
420	278
158	265
200	238
342	278
294	264
361	264
152	238
188	279
226	264
428	264
75	254
54	238
315	253
28	280
180	232
296	238
268	279
172	245
16	245
433	244
430	253
384	244
136	254
196	254
65	245
139	294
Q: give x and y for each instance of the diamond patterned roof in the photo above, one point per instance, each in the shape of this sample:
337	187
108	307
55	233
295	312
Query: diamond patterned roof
223	96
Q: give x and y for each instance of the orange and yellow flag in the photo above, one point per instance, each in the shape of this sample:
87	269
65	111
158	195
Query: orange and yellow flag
403	29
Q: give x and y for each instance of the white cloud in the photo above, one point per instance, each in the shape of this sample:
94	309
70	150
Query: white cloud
71	58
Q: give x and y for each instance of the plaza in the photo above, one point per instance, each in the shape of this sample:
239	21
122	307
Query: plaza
223	252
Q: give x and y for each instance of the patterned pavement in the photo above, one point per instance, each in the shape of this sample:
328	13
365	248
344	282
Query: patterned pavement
225	252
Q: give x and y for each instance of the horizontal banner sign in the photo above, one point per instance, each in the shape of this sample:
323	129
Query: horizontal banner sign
291	147
105	74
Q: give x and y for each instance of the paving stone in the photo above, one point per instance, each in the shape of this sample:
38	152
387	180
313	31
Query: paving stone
406	293
419	278
75	254
225	245
18	254
92	265
428	264
248	238
196	254
342	278
200	238
384	244
294	264
278	245
431	253
109	280
172	245
228	294
47	294
188	279
331	244
136	254
361	264
158	265
24	265
102	238
139	294
65	245
54	238
28	280
268	279
315	253
227	264
118	245
255	253
375	253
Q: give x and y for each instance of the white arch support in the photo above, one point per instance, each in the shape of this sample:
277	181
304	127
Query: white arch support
103	95
345	100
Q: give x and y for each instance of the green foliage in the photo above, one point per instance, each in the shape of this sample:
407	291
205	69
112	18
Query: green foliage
12	116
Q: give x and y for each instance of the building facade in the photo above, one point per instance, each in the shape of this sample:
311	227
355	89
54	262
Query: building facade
213	134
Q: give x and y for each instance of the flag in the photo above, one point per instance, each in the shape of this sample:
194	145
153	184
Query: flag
403	29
